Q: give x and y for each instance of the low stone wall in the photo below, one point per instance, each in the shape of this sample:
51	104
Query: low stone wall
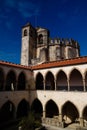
85	123
53	122
57	123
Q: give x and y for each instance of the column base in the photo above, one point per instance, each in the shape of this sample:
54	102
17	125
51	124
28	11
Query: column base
81	122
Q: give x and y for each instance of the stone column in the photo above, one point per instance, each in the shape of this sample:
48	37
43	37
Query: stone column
12	87
44	114
55	83
61	122
68	84
60	118
44	83
81	121
84	85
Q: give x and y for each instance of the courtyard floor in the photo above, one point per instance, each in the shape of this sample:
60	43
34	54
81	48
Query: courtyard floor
71	127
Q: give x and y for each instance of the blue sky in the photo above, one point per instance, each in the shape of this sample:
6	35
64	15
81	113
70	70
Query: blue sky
64	19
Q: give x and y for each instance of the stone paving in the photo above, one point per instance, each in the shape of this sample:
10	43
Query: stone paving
57	128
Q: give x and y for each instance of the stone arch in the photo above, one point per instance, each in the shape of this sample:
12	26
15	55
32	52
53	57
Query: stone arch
74	68
23	108
2	76
37	107
70	113
10	80
76	81
25	32
84	73
49	81
7	111
61	81
21	81
51	109
39	81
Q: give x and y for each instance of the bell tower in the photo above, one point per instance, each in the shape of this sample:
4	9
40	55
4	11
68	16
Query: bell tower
28	49
42	44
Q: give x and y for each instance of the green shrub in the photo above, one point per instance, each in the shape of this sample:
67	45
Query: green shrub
30	122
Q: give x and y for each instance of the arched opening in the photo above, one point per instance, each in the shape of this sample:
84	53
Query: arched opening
61	81
76	82
49	82
7	112
21	81
70	113
10	81
51	109
86	81
23	109
85	114
1	79
37	107
40	39
25	32
39	82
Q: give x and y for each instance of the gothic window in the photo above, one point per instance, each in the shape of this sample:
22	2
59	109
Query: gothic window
25	32
40	39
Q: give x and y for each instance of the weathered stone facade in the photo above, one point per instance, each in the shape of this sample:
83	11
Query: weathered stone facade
38	47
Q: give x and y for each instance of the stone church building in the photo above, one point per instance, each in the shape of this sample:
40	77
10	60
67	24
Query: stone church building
51	80
38	47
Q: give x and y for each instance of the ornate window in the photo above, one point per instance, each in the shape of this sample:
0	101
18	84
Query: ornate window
40	39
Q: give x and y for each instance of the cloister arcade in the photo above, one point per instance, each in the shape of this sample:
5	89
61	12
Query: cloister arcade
11	81
74	81
9	111
59	93
13	89
70	112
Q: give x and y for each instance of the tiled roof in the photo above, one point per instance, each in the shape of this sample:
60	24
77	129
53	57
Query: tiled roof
67	62
5	63
61	63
